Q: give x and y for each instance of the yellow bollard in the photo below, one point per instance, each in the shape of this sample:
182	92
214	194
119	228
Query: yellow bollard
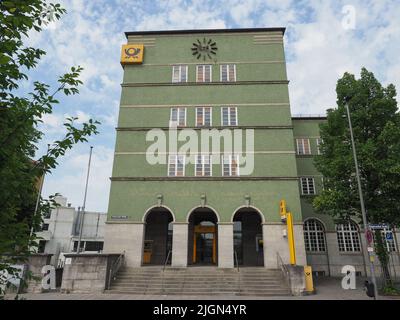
309	279
292	249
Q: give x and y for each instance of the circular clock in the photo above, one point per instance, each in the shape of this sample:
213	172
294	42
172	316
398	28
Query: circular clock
204	49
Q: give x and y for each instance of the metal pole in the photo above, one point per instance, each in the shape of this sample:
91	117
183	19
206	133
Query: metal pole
84	203
364	215
38	196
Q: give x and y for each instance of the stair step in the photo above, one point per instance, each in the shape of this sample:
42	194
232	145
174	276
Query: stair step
200	281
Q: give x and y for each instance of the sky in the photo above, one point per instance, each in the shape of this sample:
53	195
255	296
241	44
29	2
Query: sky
323	40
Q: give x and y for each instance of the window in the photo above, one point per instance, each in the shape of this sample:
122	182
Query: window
314	235
228	72
230	165
318	145
176	165
348	237
387	238
203	116
229	116
94	246
203	165
178	117
307	186
179	73
82	246
203	73
303	146
45	227
42	246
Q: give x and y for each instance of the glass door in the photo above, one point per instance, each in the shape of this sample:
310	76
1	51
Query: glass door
204	247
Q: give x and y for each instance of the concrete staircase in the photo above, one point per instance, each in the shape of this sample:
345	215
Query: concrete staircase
200	281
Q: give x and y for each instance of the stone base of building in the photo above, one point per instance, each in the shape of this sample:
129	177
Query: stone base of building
125	238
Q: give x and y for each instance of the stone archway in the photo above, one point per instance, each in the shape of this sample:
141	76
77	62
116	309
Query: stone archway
248	237
203	237
157	236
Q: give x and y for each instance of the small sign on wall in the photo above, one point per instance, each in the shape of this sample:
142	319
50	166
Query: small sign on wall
68	260
132	54
119	217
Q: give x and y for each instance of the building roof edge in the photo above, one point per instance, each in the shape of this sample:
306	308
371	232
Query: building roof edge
194	31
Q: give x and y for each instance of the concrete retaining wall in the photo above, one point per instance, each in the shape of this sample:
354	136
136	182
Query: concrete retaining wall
86	272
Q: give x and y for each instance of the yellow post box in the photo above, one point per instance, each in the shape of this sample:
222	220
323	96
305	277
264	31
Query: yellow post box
309	279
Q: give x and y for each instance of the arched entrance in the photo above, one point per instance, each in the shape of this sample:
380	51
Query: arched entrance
203	237
248	237
157	236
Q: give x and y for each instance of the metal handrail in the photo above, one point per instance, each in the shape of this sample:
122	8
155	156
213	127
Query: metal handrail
284	269
236	260
166	260
115	268
163	273
237	264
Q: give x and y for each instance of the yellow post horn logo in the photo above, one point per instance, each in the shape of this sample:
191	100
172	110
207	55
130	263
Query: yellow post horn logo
132	54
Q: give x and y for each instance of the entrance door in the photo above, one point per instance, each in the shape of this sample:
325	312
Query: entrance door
204	246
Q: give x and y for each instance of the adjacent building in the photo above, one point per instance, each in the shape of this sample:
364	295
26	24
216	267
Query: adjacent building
174	200
60	230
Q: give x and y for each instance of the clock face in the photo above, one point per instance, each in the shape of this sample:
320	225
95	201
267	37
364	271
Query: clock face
205	49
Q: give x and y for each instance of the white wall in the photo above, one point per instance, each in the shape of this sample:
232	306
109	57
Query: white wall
61	232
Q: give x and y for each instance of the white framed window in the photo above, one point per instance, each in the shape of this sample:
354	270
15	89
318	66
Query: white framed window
203	73
228	72
177	117
390	244
230	165
203	166
203	117
319	140
348	237
303	146
307	186
314	236
176	165
229	116
179	73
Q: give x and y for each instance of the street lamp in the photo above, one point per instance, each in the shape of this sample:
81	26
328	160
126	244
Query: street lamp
364	215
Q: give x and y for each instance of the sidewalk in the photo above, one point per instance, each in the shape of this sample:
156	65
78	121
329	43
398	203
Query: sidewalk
326	289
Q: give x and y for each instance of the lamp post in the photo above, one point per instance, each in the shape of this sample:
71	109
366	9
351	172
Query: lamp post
364	215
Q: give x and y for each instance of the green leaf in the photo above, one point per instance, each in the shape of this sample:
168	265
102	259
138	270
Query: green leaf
4	59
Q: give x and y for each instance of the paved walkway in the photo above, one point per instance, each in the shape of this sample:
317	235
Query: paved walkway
326	289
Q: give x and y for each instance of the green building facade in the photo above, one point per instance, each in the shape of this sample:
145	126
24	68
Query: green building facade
198	209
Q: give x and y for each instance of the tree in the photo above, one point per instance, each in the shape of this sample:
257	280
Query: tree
376	128
20	117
